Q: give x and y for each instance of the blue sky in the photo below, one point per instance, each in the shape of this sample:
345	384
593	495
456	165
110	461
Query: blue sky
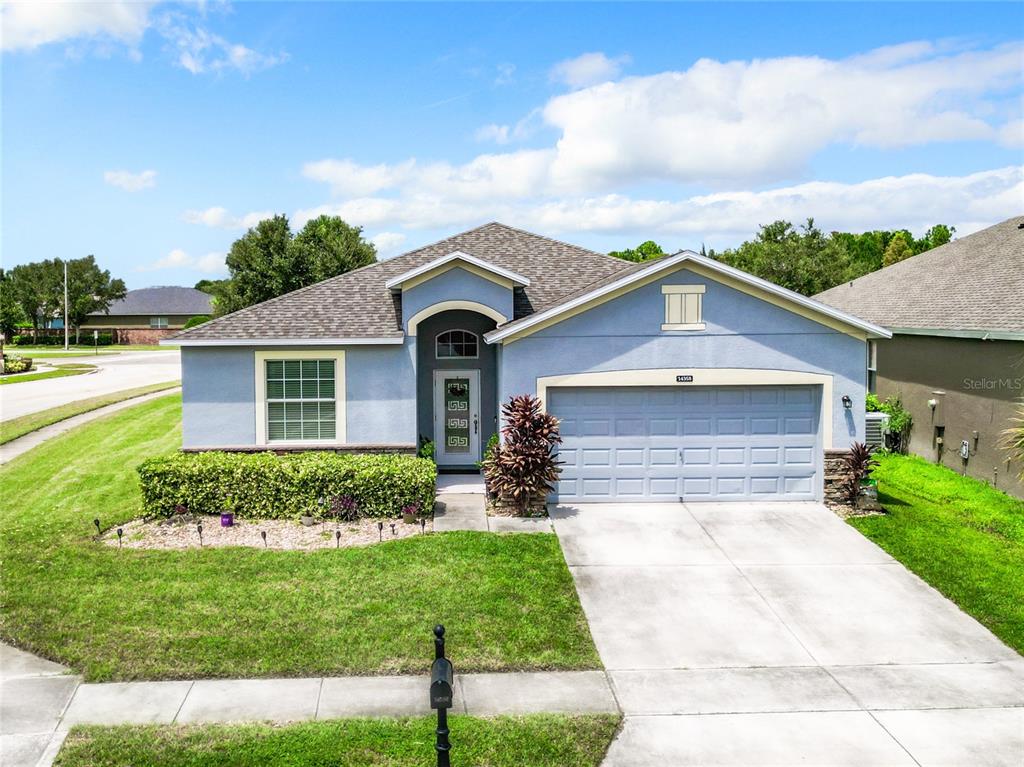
151	135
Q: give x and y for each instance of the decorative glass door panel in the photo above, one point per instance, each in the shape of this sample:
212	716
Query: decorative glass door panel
457	416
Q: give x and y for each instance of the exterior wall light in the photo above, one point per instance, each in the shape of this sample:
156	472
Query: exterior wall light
847	402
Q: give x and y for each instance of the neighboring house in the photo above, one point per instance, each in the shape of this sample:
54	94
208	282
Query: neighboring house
147	315
956	358
675	378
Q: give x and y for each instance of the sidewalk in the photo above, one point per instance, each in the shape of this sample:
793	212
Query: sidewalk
460	506
40	701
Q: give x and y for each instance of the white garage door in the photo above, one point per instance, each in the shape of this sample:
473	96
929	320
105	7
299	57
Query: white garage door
694	444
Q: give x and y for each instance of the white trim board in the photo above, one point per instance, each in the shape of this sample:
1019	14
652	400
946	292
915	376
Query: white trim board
340	395
458	255
701	377
447	306
666	265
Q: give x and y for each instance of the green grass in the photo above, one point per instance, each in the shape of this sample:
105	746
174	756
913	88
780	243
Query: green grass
538	740
960	535
61	371
508	601
22	425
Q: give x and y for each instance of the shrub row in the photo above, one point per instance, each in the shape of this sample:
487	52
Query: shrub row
267	486
51	339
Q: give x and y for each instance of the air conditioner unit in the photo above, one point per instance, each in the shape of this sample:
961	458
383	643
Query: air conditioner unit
875	427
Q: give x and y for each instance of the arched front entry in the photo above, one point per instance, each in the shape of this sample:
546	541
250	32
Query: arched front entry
456	386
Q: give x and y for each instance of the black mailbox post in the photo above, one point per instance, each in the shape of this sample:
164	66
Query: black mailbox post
442	679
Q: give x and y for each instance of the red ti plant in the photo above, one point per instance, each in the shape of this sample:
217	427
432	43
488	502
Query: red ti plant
523	466
859	462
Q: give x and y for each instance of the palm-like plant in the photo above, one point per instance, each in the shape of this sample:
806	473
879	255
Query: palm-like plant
1013	439
523	467
860	462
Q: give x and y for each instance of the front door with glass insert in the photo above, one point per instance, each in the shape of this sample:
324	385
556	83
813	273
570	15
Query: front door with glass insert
456	417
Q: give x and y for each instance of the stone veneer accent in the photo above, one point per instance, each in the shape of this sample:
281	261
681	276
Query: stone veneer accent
835	473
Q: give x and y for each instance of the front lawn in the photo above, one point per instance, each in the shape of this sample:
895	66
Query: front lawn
960	535
538	741
508	600
18	427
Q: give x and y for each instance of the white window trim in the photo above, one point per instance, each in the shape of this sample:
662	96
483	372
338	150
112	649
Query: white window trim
260	374
684	290
460	330
154	323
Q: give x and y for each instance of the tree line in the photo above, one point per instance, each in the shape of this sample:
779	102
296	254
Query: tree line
807	260
33	294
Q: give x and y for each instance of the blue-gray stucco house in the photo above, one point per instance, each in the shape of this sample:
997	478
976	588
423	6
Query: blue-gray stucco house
675	378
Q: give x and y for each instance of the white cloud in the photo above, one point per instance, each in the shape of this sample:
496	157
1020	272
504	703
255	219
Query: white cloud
27	25
1012	134
220	218
588	69
211	263
387	243
131	182
506	73
493	132
913	201
199	50
722	124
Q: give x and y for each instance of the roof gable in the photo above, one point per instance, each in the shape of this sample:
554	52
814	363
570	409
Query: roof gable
485	269
616	285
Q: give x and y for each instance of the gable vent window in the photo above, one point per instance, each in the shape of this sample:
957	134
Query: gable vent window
456	344
684	307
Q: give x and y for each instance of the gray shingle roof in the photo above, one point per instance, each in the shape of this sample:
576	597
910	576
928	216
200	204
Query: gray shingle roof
973	283
357	304
160	301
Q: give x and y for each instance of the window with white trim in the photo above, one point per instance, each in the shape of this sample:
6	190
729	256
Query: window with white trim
301	402
456	344
684	307
872	366
158	323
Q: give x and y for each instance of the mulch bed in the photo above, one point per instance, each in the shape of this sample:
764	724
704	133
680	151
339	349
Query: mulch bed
182	533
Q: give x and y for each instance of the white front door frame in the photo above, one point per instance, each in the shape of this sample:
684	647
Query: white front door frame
441	455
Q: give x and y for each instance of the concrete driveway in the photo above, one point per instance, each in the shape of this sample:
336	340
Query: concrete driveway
117	372
775	634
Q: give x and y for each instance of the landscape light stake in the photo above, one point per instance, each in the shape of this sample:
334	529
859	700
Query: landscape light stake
263	535
392	528
98	531
120	532
199	529
423	525
337	537
380	531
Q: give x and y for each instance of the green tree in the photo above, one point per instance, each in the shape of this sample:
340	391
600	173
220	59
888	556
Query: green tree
208	286
90	289
806	261
938	235
267	261
33	290
645	251
900	247
327	246
11	312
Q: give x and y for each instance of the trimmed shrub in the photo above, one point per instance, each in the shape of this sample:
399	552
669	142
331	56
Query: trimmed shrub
199	319
267	486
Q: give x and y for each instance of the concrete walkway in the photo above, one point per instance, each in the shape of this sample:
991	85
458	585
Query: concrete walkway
16	447
40	701
770	634
460	506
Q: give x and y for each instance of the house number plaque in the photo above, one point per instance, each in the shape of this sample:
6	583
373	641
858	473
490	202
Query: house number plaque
684	379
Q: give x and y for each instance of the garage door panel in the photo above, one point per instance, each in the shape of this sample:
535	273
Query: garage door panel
697	444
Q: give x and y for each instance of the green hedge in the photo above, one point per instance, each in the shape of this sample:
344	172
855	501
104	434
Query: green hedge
266	486
49	338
